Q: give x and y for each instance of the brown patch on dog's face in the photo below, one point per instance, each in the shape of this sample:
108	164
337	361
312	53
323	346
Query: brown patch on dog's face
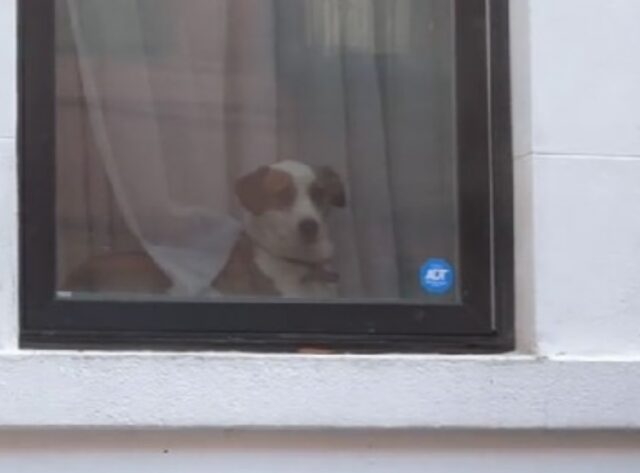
327	189
265	189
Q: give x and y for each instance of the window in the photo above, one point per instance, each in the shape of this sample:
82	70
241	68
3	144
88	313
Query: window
290	175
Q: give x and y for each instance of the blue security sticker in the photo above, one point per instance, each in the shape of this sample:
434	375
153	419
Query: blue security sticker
437	276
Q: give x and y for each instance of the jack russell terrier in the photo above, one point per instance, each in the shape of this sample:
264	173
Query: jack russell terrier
285	248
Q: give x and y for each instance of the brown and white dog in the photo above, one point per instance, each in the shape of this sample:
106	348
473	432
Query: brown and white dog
284	250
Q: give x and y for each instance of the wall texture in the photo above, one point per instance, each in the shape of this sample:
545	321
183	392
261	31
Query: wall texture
577	159
585	166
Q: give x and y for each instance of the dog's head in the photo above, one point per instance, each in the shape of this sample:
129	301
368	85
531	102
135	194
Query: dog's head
287	205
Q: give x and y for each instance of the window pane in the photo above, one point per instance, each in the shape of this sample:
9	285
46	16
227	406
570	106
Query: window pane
255	148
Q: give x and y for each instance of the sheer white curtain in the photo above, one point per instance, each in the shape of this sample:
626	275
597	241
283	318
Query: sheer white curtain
184	96
161	119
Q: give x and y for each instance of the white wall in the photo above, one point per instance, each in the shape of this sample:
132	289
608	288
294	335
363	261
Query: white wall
8	194
585	164
577	102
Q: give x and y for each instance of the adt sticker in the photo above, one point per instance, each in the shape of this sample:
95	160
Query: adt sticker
437	276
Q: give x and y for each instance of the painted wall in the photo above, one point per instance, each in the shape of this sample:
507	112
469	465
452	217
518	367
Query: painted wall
583	163
577	156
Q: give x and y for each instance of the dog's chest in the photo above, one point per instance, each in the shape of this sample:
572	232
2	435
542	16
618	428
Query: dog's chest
294	280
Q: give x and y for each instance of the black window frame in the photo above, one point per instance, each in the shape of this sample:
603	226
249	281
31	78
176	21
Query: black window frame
483	322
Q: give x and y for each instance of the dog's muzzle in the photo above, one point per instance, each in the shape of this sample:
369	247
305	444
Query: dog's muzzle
309	229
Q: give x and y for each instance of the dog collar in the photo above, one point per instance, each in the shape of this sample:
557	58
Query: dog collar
317	271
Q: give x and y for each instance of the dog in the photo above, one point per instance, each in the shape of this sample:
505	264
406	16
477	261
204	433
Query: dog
284	250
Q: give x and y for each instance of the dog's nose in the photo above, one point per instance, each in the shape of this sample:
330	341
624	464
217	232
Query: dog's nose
309	229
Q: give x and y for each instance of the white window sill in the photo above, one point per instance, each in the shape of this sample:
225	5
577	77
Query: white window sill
163	390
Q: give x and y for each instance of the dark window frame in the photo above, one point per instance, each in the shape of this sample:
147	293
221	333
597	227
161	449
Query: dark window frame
483	322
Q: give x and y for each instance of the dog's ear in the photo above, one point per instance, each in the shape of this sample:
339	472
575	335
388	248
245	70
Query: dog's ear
250	190
333	184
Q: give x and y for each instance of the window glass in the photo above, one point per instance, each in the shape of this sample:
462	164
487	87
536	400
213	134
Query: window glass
254	148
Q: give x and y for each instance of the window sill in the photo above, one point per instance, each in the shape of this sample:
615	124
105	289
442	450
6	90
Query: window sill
153	390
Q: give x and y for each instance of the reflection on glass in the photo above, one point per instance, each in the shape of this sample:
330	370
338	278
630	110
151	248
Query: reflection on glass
249	148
